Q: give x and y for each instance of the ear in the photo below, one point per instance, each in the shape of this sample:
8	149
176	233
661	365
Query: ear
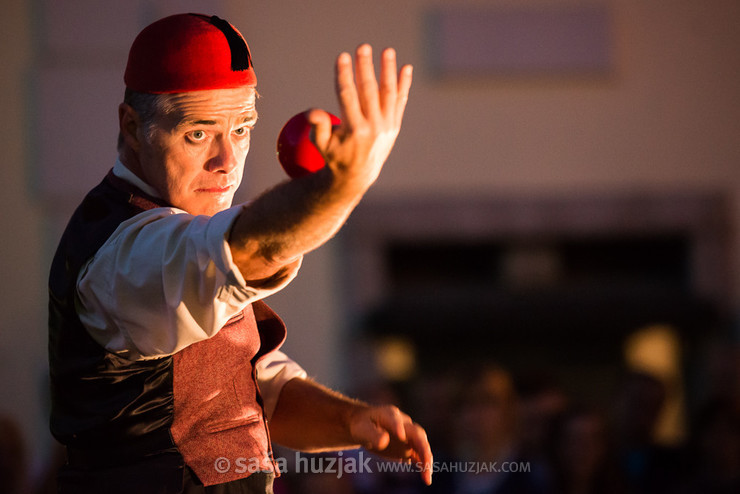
128	125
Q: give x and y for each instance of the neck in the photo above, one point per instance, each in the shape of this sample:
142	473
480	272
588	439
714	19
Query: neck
131	161
132	172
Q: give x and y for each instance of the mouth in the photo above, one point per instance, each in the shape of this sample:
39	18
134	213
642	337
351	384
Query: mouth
216	189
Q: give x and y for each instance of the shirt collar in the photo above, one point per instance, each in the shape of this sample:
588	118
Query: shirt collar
120	171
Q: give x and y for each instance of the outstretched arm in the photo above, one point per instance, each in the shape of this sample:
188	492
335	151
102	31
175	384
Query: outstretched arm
310	417
299	215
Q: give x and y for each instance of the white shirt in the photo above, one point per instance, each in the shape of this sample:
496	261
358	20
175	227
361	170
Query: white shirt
164	280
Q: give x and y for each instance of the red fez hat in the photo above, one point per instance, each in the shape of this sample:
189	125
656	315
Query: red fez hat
188	52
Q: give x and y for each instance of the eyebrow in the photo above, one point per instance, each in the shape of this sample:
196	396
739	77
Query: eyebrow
250	119
188	123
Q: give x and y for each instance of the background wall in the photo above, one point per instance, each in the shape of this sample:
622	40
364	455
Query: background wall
666	117
24	260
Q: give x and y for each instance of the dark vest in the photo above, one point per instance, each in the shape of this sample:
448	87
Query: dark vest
195	406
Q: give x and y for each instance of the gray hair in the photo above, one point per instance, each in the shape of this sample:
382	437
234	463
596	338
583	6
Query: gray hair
147	106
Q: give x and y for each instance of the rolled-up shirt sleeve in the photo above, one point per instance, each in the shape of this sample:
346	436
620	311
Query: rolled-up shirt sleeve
273	371
165	279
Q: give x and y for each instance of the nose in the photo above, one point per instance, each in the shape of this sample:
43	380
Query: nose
226	156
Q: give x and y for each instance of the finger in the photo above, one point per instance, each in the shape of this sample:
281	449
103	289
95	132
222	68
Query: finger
404	87
388	82
419	442
347	91
394	421
367	84
321	128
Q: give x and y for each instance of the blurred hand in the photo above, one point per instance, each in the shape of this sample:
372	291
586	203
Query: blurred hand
392	434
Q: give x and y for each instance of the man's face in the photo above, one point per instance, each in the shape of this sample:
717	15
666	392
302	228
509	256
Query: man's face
194	153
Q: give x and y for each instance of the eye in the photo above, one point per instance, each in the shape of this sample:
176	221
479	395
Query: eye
242	131
197	135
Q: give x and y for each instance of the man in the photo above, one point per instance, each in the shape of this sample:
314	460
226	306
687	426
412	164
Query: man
489	435
163	356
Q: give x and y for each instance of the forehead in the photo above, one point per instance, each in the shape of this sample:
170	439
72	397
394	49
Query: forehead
211	105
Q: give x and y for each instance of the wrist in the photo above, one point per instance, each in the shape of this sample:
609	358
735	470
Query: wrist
350	417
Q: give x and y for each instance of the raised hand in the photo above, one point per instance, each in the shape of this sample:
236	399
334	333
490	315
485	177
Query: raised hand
371	113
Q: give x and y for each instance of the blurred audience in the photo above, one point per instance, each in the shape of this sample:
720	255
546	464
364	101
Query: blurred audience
581	457
489	433
715	449
647	466
541	401
485	417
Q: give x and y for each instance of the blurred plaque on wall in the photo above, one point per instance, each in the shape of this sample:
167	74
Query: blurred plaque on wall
526	41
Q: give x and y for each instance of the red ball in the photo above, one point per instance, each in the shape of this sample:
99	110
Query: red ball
296	152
